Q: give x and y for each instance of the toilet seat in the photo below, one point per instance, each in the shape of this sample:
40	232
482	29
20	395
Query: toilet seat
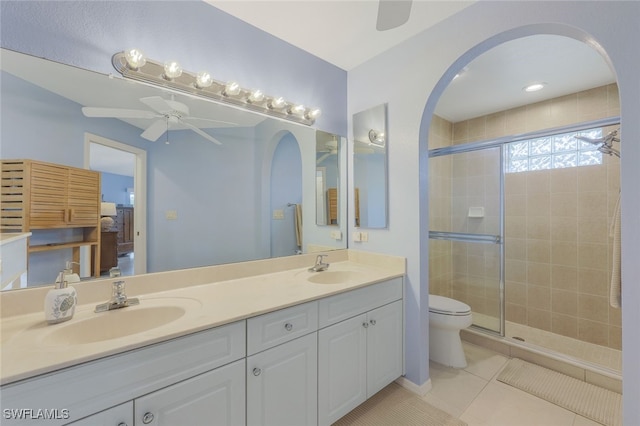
446	306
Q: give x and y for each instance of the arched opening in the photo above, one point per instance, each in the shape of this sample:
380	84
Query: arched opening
521	174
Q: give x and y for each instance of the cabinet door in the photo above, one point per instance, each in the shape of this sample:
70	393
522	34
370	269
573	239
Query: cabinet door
342	360
120	415
213	398
83	199
384	346
282	384
48	197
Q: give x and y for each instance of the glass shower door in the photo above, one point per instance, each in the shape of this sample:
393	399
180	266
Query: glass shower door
466	228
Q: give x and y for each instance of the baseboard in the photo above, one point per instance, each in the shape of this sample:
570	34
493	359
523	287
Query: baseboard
421	390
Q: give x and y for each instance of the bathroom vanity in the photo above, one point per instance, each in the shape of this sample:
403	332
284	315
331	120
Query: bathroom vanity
286	347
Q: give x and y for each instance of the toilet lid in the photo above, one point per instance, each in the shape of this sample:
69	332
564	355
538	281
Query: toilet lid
444	305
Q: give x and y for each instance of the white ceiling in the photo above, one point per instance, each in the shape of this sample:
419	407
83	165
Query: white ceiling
343	33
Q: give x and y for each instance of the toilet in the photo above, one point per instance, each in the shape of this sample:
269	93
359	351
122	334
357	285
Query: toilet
446	318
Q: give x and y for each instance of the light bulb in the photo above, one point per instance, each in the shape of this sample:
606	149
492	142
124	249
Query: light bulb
276	103
296	109
172	70
231	89
135	58
534	87
256	96
203	79
313	113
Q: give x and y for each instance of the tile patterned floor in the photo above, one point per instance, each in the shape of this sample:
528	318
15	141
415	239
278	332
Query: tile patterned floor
474	396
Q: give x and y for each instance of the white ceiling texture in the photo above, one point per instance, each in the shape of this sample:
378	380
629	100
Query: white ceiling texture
343	32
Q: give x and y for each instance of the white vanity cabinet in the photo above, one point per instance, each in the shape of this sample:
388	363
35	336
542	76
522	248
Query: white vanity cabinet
360	355
120	415
282	367
93	387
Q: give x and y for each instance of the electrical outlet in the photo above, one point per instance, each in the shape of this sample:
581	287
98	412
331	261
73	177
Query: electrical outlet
364	237
171	214
336	235
278	214
357	236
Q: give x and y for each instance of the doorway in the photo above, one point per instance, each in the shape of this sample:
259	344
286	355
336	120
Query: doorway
123	171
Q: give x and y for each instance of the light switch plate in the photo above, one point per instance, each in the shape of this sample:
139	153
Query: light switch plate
171	214
278	214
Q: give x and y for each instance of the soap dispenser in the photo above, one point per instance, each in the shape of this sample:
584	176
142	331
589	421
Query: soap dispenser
68	275
60	302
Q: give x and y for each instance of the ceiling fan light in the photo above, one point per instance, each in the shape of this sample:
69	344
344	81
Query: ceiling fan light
256	96
203	80
172	70
277	103
135	58
231	89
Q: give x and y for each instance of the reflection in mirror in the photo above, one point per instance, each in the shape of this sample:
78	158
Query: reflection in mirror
327	179
370	167
206	203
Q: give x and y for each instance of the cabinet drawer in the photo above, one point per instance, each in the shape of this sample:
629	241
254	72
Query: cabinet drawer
269	330
346	305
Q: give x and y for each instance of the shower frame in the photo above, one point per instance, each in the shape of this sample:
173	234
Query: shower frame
499	239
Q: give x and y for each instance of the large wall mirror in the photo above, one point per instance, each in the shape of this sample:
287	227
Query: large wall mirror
230	195
370	140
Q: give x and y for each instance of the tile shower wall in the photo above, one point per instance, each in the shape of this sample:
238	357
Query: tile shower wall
557	247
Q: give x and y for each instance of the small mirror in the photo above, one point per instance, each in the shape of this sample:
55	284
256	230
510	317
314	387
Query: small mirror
327	179
370	167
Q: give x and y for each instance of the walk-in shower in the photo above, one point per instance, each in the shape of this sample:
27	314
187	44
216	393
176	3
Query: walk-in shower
520	231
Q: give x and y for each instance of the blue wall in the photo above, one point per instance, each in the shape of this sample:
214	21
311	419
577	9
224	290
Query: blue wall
114	188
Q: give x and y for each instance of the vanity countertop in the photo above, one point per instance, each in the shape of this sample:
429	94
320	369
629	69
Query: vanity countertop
30	348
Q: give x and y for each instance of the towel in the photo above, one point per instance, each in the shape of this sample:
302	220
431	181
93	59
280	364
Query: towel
298	225
615	289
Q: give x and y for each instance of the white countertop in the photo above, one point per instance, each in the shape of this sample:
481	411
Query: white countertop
29	350
8	237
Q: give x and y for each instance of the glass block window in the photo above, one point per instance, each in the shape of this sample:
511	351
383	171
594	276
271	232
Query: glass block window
553	152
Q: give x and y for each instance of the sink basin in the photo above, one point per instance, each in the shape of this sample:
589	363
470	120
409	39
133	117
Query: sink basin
333	277
118	323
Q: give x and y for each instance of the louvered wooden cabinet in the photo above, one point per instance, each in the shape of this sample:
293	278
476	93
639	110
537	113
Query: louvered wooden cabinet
37	195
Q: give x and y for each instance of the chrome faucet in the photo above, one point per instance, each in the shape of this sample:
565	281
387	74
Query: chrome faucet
320	265
118	299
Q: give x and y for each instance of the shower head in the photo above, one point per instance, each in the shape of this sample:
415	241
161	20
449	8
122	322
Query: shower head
605	144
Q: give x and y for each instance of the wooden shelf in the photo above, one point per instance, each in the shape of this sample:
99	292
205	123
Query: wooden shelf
60	246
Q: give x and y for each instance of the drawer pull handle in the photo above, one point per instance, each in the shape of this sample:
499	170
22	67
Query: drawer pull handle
122	424
365	324
256	371
288	326
372	322
147	418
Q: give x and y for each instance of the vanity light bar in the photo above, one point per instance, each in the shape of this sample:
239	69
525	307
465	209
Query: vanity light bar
132	64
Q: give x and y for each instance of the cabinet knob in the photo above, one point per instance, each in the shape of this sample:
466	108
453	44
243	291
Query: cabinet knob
288	326
372	322
365	324
256	371
147	418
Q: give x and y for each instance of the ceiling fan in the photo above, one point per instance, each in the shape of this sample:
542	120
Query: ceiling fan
167	113
392	13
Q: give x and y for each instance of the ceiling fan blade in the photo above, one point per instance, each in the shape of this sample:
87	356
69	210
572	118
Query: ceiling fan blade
157	103
117	113
200	132
392	13
209	120
154	131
